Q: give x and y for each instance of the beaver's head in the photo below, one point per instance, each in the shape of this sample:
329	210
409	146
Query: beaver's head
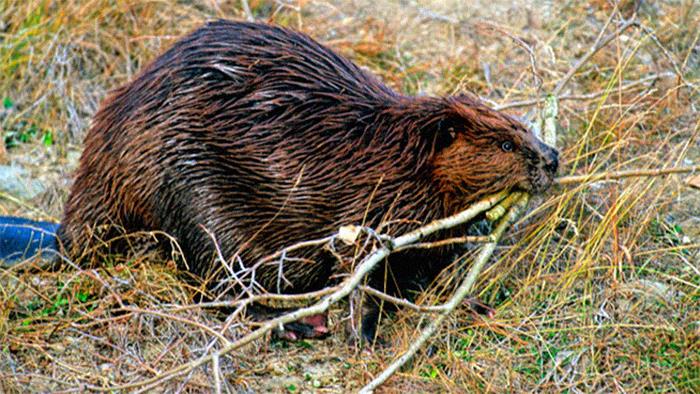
482	151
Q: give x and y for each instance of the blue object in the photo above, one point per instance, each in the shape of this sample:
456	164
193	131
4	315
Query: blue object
21	239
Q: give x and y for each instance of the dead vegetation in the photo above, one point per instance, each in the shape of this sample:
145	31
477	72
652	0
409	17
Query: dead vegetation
597	288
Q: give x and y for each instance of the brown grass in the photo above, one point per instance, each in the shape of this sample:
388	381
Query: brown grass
597	289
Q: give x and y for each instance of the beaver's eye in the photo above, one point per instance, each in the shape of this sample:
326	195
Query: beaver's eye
507	146
452	133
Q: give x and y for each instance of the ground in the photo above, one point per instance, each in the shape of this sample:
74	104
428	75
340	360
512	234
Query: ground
597	289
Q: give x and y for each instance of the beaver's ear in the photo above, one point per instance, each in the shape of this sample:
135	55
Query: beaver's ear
444	138
442	120
440	132
463	108
449	121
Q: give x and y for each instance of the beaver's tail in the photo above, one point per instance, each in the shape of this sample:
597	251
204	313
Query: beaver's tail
21	239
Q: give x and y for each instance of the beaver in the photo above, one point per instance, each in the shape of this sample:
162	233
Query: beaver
245	138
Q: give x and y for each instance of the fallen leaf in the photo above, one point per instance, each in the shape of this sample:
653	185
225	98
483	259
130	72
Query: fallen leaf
349	234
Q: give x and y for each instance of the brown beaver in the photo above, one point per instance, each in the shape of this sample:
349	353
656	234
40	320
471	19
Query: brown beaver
265	138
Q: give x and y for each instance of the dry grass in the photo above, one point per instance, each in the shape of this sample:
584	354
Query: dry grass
597	290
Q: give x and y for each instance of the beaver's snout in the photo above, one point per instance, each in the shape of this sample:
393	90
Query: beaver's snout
551	160
543	168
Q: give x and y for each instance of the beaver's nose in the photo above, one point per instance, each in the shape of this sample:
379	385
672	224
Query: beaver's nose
551	163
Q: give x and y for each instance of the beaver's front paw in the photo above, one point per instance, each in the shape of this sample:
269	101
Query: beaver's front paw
308	327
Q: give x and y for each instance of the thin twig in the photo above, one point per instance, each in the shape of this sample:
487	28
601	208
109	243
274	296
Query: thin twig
592	51
587	96
246	11
666	53
225	264
217	374
534	70
430	14
401	301
267	299
300	245
199	325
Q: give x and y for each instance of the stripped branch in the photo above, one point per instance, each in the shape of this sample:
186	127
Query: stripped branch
449	241
606	176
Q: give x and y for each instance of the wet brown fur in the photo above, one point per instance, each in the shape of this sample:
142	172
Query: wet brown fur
267	138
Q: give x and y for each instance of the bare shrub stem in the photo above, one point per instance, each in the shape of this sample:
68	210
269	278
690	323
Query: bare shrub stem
592	51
